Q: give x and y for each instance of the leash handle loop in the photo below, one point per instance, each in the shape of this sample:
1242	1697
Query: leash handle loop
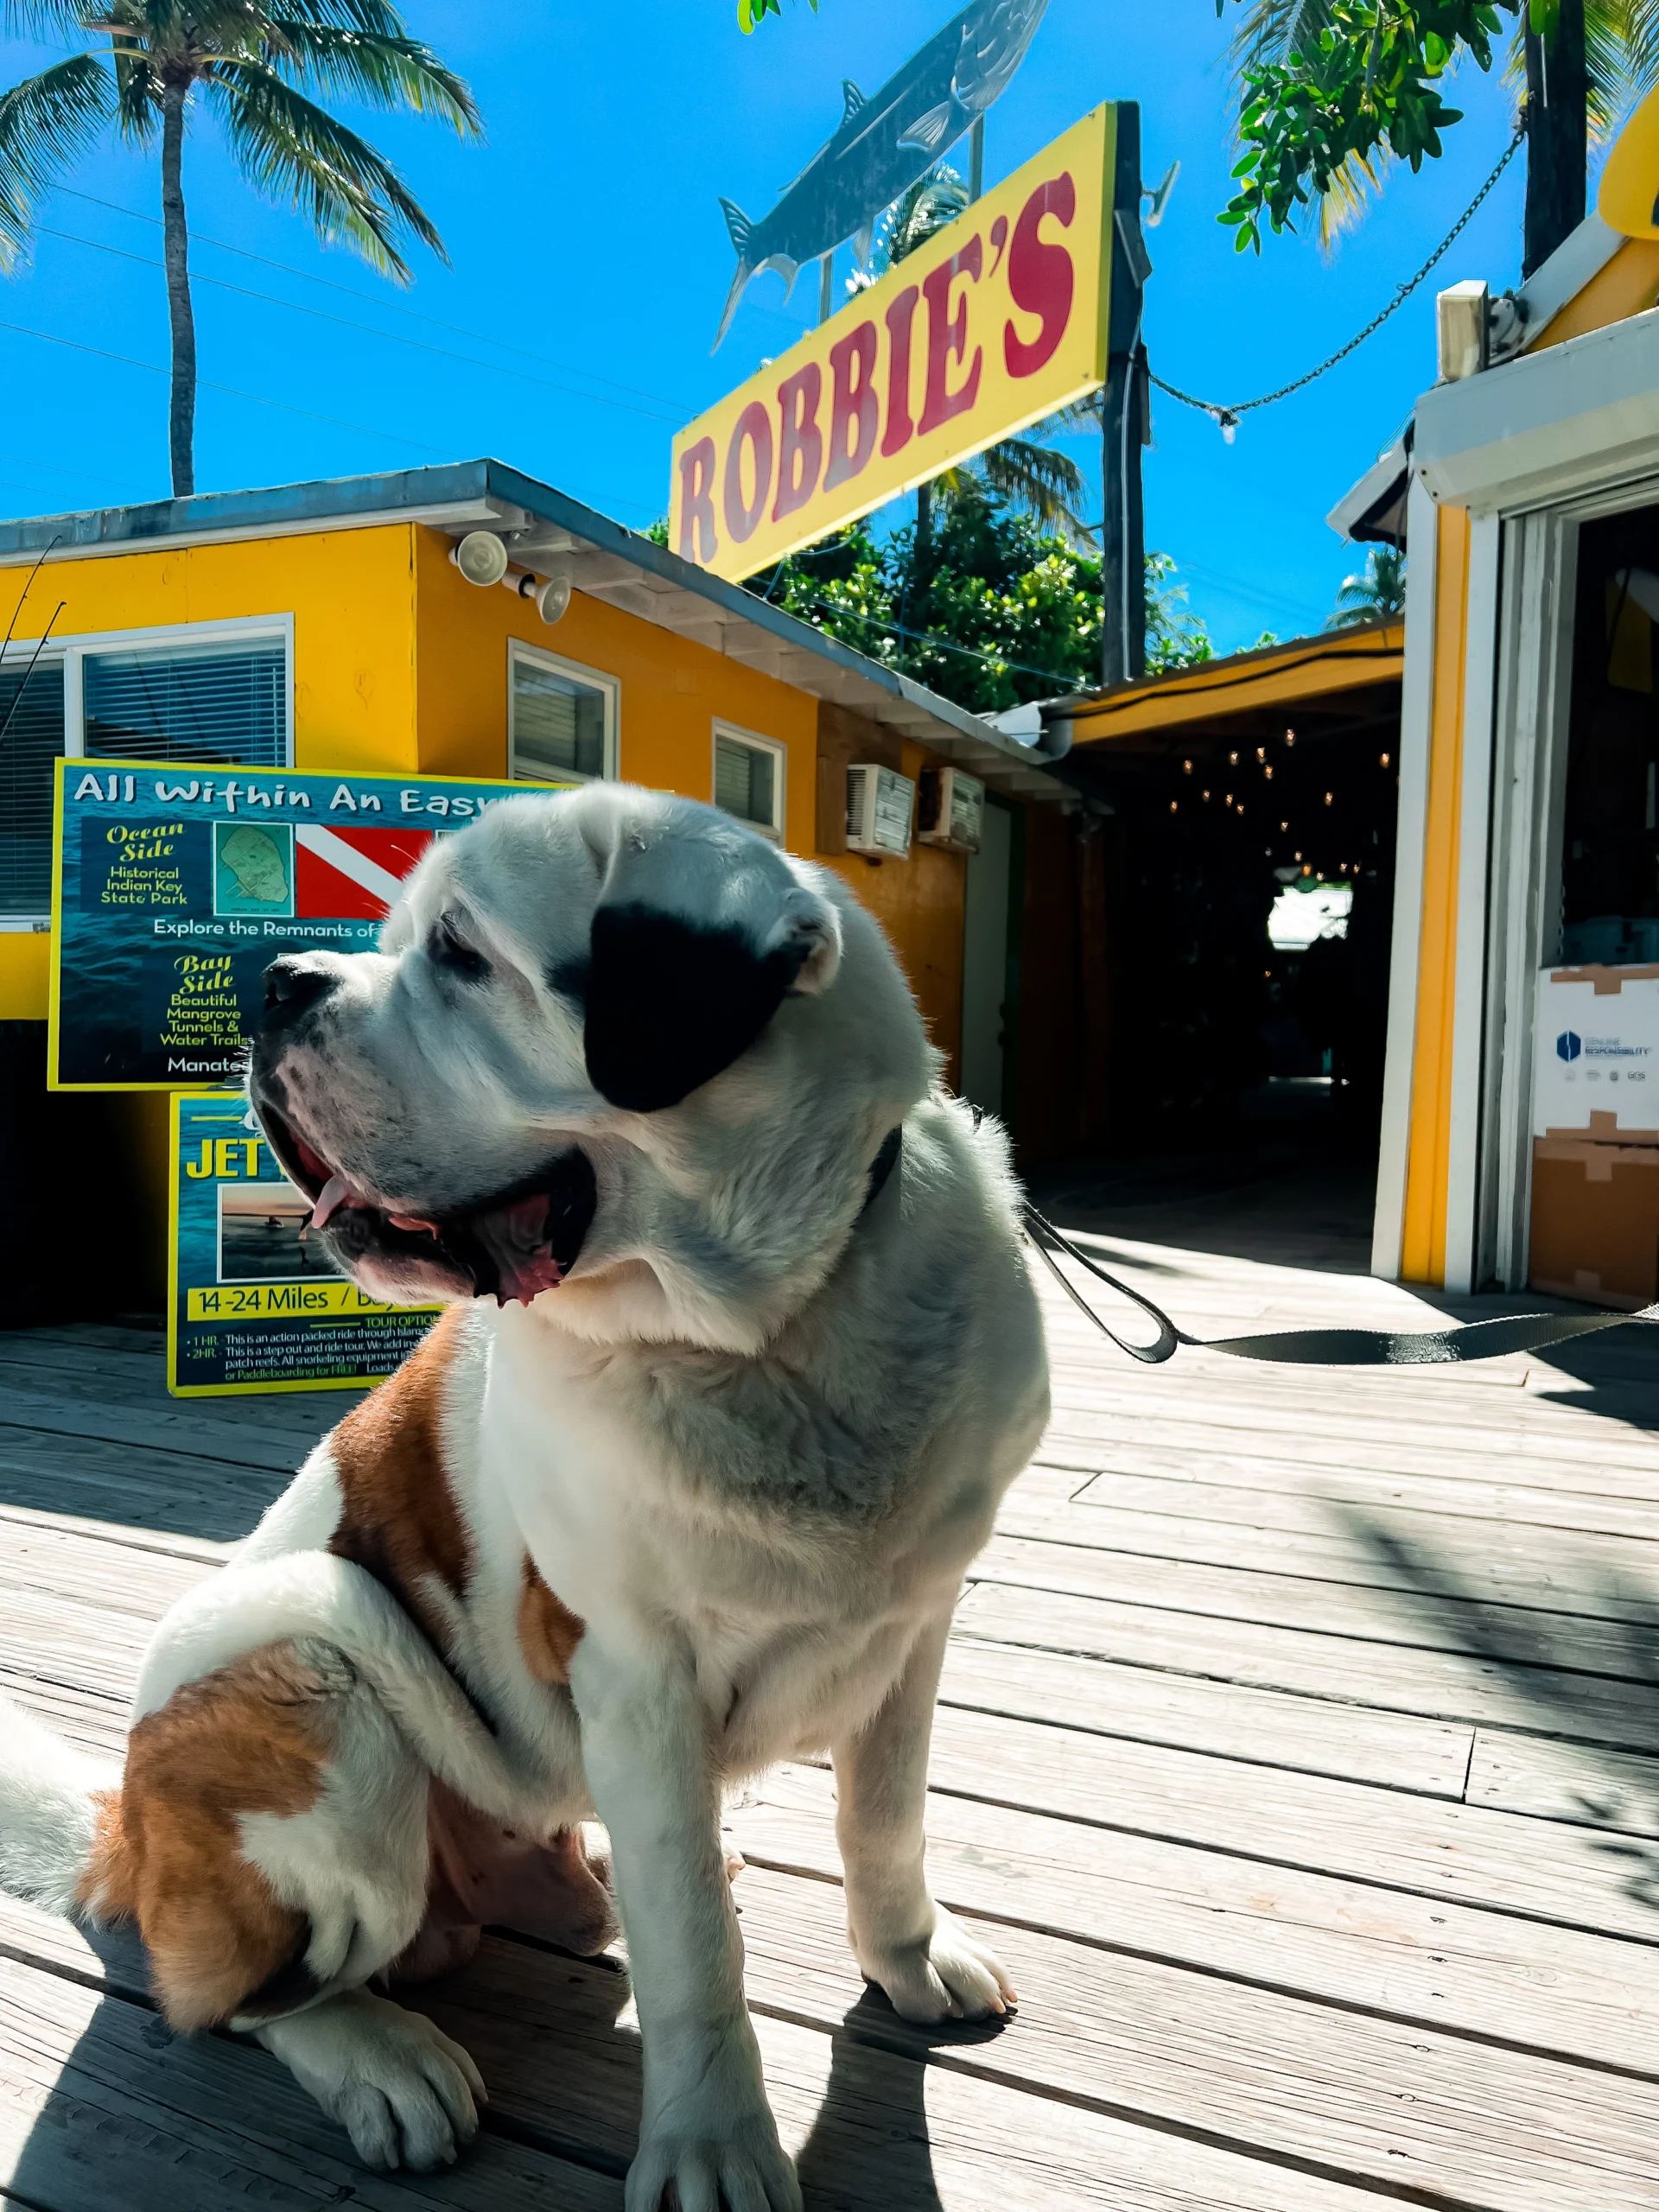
1043	1232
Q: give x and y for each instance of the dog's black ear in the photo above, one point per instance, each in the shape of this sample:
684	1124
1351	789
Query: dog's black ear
701	932
671	1004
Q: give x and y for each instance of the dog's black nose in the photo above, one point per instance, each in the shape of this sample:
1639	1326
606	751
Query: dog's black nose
296	983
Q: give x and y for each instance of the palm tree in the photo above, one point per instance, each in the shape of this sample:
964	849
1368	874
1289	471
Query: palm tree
1377	593
251	60
1036	479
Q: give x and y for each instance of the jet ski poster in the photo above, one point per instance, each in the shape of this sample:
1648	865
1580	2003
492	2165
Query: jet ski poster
998	321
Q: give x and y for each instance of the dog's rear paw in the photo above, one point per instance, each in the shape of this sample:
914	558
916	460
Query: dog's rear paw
405	2094
951	1976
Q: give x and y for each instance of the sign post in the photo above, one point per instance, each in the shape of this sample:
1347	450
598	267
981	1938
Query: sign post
1001	320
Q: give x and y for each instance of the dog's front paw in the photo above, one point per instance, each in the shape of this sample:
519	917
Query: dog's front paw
949	1975
405	2094
732	2161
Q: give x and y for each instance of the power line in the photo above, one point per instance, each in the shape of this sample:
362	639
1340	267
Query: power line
344	322
375	300
1226	416
944	645
126	361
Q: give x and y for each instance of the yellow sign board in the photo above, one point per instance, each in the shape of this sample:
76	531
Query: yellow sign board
1628	199
998	321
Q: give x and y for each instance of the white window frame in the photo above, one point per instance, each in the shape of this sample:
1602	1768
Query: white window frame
756	743
69	652
602	681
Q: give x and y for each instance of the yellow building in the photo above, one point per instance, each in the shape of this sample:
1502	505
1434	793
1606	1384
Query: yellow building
1518	1142
326	627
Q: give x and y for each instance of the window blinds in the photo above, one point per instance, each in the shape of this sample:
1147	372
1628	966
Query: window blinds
190	702
558	723
31	713
744	781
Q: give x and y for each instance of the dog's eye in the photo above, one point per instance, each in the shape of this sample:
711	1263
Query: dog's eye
447	948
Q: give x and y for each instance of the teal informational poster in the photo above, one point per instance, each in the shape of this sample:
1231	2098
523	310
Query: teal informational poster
253	1303
175	887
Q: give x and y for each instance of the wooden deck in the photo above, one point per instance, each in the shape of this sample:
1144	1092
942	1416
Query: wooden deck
1300	1746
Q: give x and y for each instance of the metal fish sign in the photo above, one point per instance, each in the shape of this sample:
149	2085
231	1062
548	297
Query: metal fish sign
885	143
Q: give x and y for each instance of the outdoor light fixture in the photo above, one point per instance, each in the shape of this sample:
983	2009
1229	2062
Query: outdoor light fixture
1173	803
1261	751
1268	771
1327	799
1290	737
1232	760
1385	759
550	595
1206	794
1187	767
1284	825
480	556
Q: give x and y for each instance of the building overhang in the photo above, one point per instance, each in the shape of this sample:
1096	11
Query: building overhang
1341	673
556	535
1548	425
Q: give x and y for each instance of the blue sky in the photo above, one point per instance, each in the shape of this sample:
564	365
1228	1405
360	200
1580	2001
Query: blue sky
589	261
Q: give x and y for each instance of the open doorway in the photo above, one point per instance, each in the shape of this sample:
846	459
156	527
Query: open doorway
990	972
1250	910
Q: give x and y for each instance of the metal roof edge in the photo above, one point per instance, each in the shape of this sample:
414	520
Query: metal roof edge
456	490
1345	644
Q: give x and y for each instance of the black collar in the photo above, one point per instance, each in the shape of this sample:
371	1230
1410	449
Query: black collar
882	1165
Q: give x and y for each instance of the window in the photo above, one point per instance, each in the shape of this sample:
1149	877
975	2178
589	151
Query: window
218	691
562	719
207	702
31	738
749	779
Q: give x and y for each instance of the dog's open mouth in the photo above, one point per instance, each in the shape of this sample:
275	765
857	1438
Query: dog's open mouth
511	1245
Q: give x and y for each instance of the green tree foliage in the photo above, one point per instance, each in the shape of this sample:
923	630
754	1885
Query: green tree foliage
988	609
1331	91
257	66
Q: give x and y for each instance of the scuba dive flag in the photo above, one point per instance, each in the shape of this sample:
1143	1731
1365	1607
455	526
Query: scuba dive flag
344	874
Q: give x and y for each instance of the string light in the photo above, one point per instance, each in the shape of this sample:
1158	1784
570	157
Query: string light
1232	759
1186	765
1261	751
1385	759
1268	771
1284	825
1173	803
1206	794
1290	737
1327	799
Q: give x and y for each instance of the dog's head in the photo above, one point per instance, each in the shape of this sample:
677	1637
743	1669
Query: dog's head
614	1047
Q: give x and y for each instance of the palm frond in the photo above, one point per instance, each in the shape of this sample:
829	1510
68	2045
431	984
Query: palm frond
137	98
292	150
1046	484
45	124
1272	30
42	18
381	71
1344	201
929	204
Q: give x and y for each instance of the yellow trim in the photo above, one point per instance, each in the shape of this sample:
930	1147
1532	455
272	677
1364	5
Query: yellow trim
1305	668
68	762
1626	285
1422	1242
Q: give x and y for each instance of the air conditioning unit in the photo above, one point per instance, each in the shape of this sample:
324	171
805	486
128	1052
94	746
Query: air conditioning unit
951	810
879	804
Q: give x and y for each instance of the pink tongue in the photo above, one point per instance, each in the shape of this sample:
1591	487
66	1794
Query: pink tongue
333	1195
515	1237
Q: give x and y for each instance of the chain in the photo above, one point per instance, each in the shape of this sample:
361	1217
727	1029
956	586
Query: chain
1227	417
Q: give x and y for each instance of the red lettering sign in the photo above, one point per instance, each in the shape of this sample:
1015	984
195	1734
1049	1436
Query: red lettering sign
698	539
947	340
754	429
854	410
801	454
1039	276
899	318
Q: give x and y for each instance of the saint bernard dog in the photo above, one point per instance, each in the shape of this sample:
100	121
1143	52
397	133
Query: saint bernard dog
740	1352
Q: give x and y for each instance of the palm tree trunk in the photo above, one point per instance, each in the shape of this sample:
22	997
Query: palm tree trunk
1556	140
176	248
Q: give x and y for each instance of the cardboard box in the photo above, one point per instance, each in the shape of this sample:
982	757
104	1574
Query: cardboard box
1596	1054
1595	1221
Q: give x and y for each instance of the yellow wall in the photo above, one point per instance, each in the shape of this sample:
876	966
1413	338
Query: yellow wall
400	663
1626	285
1422	1247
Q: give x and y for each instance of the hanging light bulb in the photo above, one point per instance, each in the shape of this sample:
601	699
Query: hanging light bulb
1261	751
1173	803
1268	771
1186	765
1327	799
1233	760
1385	759
1284	825
1290	737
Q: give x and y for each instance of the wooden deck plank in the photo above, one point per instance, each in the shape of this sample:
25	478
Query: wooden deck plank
1353	1669
1617	1794
873	2124
1421	1618
1480	1973
1592	1577
1467	1854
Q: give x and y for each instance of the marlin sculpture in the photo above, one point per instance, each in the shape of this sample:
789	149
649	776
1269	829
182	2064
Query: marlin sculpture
884	144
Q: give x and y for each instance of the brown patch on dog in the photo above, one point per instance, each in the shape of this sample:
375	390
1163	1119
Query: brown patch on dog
400	1519
548	1632
252	1738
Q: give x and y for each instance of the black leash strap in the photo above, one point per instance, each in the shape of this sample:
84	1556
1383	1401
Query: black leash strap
1325	1347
